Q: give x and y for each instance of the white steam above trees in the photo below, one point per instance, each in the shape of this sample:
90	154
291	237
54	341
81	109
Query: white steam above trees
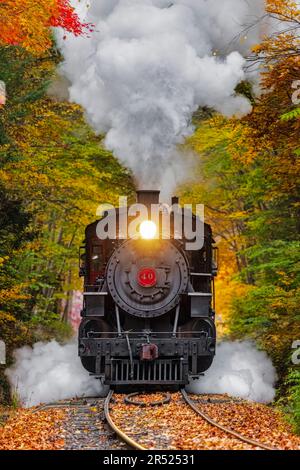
149	65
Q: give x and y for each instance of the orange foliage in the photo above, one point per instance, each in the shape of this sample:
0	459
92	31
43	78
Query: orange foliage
26	23
176	426
27	431
267	133
227	287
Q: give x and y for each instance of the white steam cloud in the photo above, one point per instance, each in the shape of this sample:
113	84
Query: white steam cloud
49	372
240	370
147	68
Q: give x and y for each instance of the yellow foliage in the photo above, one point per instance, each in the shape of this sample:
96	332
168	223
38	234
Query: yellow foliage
227	288
3	259
13	293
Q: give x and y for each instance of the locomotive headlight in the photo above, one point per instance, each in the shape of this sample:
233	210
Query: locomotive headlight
148	230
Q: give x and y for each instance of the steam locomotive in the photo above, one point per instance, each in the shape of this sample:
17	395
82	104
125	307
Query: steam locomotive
148	314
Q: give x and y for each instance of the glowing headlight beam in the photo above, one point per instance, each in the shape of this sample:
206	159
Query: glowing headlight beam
148	230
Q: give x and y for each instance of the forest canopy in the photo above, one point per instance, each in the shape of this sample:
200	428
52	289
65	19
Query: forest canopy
249	179
54	171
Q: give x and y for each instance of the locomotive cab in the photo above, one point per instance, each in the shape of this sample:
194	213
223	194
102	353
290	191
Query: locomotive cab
148	312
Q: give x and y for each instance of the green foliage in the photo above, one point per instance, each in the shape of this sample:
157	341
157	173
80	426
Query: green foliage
248	181
275	263
15	400
245	88
269	314
295	113
293	404
26	78
54	172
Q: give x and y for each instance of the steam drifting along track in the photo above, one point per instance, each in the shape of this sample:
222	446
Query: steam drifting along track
136	439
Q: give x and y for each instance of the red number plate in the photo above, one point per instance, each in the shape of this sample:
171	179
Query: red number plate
147	277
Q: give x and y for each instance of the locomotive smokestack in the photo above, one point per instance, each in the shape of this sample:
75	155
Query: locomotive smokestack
147	198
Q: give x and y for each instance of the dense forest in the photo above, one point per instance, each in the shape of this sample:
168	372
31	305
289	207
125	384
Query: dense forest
53	174
249	182
54	171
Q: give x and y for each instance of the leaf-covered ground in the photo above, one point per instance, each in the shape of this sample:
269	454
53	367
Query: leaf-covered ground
171	426
74	425
25	430
253	420
176	426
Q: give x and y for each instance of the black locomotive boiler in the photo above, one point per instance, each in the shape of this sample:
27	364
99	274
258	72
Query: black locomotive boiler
148	313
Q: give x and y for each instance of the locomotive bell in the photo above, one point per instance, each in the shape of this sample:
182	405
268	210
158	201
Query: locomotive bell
147	197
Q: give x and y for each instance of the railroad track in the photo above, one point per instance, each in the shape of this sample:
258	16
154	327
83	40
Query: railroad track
229	431
123	436
132	443
132	400
85	427
63	404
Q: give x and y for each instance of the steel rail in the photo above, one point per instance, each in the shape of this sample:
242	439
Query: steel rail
55	405
61	404
124	437
214	423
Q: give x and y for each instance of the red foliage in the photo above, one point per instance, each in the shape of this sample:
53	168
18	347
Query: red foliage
68	19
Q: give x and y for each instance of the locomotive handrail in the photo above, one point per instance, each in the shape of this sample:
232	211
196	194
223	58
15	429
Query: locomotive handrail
154	334
200	294
95	293
202	274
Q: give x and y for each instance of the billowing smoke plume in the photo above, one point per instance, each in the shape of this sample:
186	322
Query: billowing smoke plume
49	372
240	370
147	68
